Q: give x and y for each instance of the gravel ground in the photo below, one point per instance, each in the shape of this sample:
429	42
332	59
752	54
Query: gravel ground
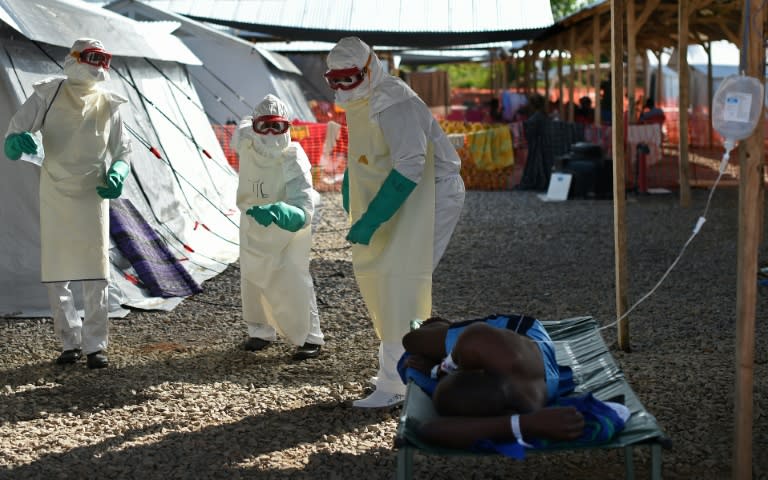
182	400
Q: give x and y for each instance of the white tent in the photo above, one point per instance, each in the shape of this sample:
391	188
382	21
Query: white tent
725	62
176	194
235	74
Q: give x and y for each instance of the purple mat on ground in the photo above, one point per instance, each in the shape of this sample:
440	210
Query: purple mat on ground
157	268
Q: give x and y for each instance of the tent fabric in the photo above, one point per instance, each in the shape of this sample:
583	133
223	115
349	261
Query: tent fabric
313	82
578	345
236	75
175	194
60	23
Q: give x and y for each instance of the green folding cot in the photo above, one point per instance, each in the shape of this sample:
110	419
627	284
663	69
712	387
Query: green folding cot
580	346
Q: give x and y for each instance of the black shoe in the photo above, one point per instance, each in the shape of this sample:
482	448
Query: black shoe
97	360
254	344
69	356
308	350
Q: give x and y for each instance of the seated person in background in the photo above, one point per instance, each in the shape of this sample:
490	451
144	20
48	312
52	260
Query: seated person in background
584	113
495	378
651	113
494	111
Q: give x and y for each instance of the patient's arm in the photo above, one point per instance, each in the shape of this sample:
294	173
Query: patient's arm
556	423
420	363
427	341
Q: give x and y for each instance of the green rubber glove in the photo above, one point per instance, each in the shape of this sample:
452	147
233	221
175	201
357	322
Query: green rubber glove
345	191
392	194
261	214
18	143
115	178
287	217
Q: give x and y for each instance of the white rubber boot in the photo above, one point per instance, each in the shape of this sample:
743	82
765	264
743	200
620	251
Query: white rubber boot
390	390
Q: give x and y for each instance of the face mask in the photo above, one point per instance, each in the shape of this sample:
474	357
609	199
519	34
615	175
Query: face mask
349	96
273	142
84	73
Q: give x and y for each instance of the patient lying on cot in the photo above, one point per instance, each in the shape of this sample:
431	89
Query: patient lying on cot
496	381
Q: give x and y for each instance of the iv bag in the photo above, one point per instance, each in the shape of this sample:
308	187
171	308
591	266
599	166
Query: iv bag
737	106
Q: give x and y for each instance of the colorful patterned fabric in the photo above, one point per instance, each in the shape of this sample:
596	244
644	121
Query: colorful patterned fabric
158	270
491	148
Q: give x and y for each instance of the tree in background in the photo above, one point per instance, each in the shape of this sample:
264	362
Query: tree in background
466	75
461	75
563	8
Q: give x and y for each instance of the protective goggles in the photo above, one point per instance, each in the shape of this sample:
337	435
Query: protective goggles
347	78
270	124
94	56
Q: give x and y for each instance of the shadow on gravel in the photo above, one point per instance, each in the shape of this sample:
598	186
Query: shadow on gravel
74	388
224	451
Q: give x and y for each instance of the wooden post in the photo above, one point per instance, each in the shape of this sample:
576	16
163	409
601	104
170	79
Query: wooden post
631	73
683	102
710	93
561	110
505	73
572	73
659	97
619	201
646	79
547	53
491	68
524	61
596	58
750	226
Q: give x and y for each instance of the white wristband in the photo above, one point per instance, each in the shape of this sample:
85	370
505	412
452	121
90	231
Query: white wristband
514	420
448	365
434	372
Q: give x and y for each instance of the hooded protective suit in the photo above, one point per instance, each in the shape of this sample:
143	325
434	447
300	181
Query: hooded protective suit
405	196
277	201
85	156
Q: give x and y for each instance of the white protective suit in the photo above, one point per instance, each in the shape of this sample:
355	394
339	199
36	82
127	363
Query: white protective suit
277	290
391	128
82	135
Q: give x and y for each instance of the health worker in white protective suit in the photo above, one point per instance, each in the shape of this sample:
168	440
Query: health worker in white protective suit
85	164
277	201
404	195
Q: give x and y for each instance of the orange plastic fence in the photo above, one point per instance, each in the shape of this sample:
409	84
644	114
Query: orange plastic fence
643	172
327	167
327	170
224	136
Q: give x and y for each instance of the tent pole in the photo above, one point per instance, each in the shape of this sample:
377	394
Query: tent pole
546	74
561	103
751	199
659	94
632	28
710	92
619	200
683	12
571	74
596	59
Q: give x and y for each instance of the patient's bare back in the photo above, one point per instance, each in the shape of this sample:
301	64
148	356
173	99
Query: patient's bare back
515	360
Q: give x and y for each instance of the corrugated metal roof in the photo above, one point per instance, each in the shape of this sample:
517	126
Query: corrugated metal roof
374	15
308	47
59	22
391	16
